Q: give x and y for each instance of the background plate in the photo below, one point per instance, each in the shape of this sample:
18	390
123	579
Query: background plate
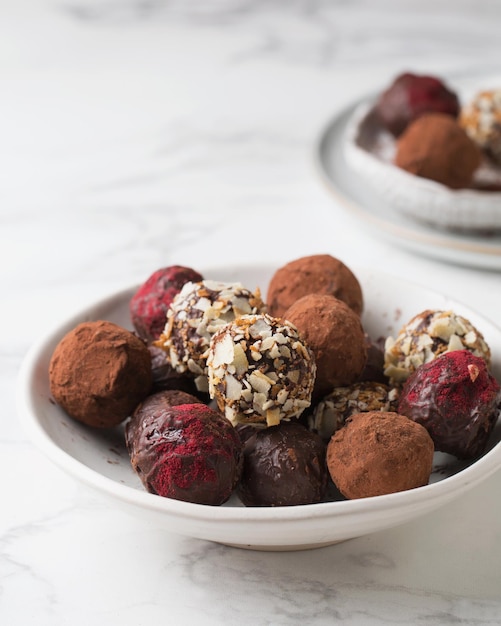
380	218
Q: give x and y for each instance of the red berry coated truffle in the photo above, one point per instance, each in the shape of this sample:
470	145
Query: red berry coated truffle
186	452
456	399
148	307
411	95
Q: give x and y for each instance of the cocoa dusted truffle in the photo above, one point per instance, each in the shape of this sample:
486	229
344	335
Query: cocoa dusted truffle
99	372
428	335
378	453
186	452
456	399
435	147
410	96
481	119
148	306
260	370
195	314
319	273
335	408
335	334
284	465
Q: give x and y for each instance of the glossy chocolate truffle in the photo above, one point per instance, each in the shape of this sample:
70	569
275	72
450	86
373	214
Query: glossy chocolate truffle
435	147
260	370
374	366
320	273
456	399
335	334
166	377
195	314
99	372
481	119
378	453
186	452
284	465
428	335
335	408
148	306
410	96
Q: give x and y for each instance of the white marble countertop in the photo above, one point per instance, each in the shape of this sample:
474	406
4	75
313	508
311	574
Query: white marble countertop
141	133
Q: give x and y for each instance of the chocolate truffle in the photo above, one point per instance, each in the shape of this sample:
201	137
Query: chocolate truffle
427	335
410	96
319	273
260	371
99	372
374	366
166	377
284	465
335	408
148	306
195	314
186	452
481	119
335	334
435	147
456	399
378	453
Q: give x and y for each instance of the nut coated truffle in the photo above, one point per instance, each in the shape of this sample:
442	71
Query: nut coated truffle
320	273
148	306
99	372
428	335
456	399
481	119
435	147
410	96
284	465
331	413
335	334
378	453
186	452
195	314
260	371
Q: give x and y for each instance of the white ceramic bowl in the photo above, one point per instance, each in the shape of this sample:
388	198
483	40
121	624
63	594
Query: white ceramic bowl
99	458
369	150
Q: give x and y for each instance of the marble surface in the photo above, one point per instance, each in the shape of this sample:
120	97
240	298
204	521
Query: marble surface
142	133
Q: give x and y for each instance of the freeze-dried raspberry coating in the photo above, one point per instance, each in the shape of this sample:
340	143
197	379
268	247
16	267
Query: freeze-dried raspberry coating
148	307
318	273
410	96
99	372
186	452
456	399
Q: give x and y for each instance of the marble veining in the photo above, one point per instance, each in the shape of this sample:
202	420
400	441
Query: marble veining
143	133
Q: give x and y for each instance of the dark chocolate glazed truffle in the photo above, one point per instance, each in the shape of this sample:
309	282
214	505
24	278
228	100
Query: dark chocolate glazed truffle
99	372
166	377
284	465
336	337
187	452
410	96
437	148
319	273
148	306
456	399
378	453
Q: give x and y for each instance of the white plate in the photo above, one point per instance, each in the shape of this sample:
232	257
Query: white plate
473	250
99	458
